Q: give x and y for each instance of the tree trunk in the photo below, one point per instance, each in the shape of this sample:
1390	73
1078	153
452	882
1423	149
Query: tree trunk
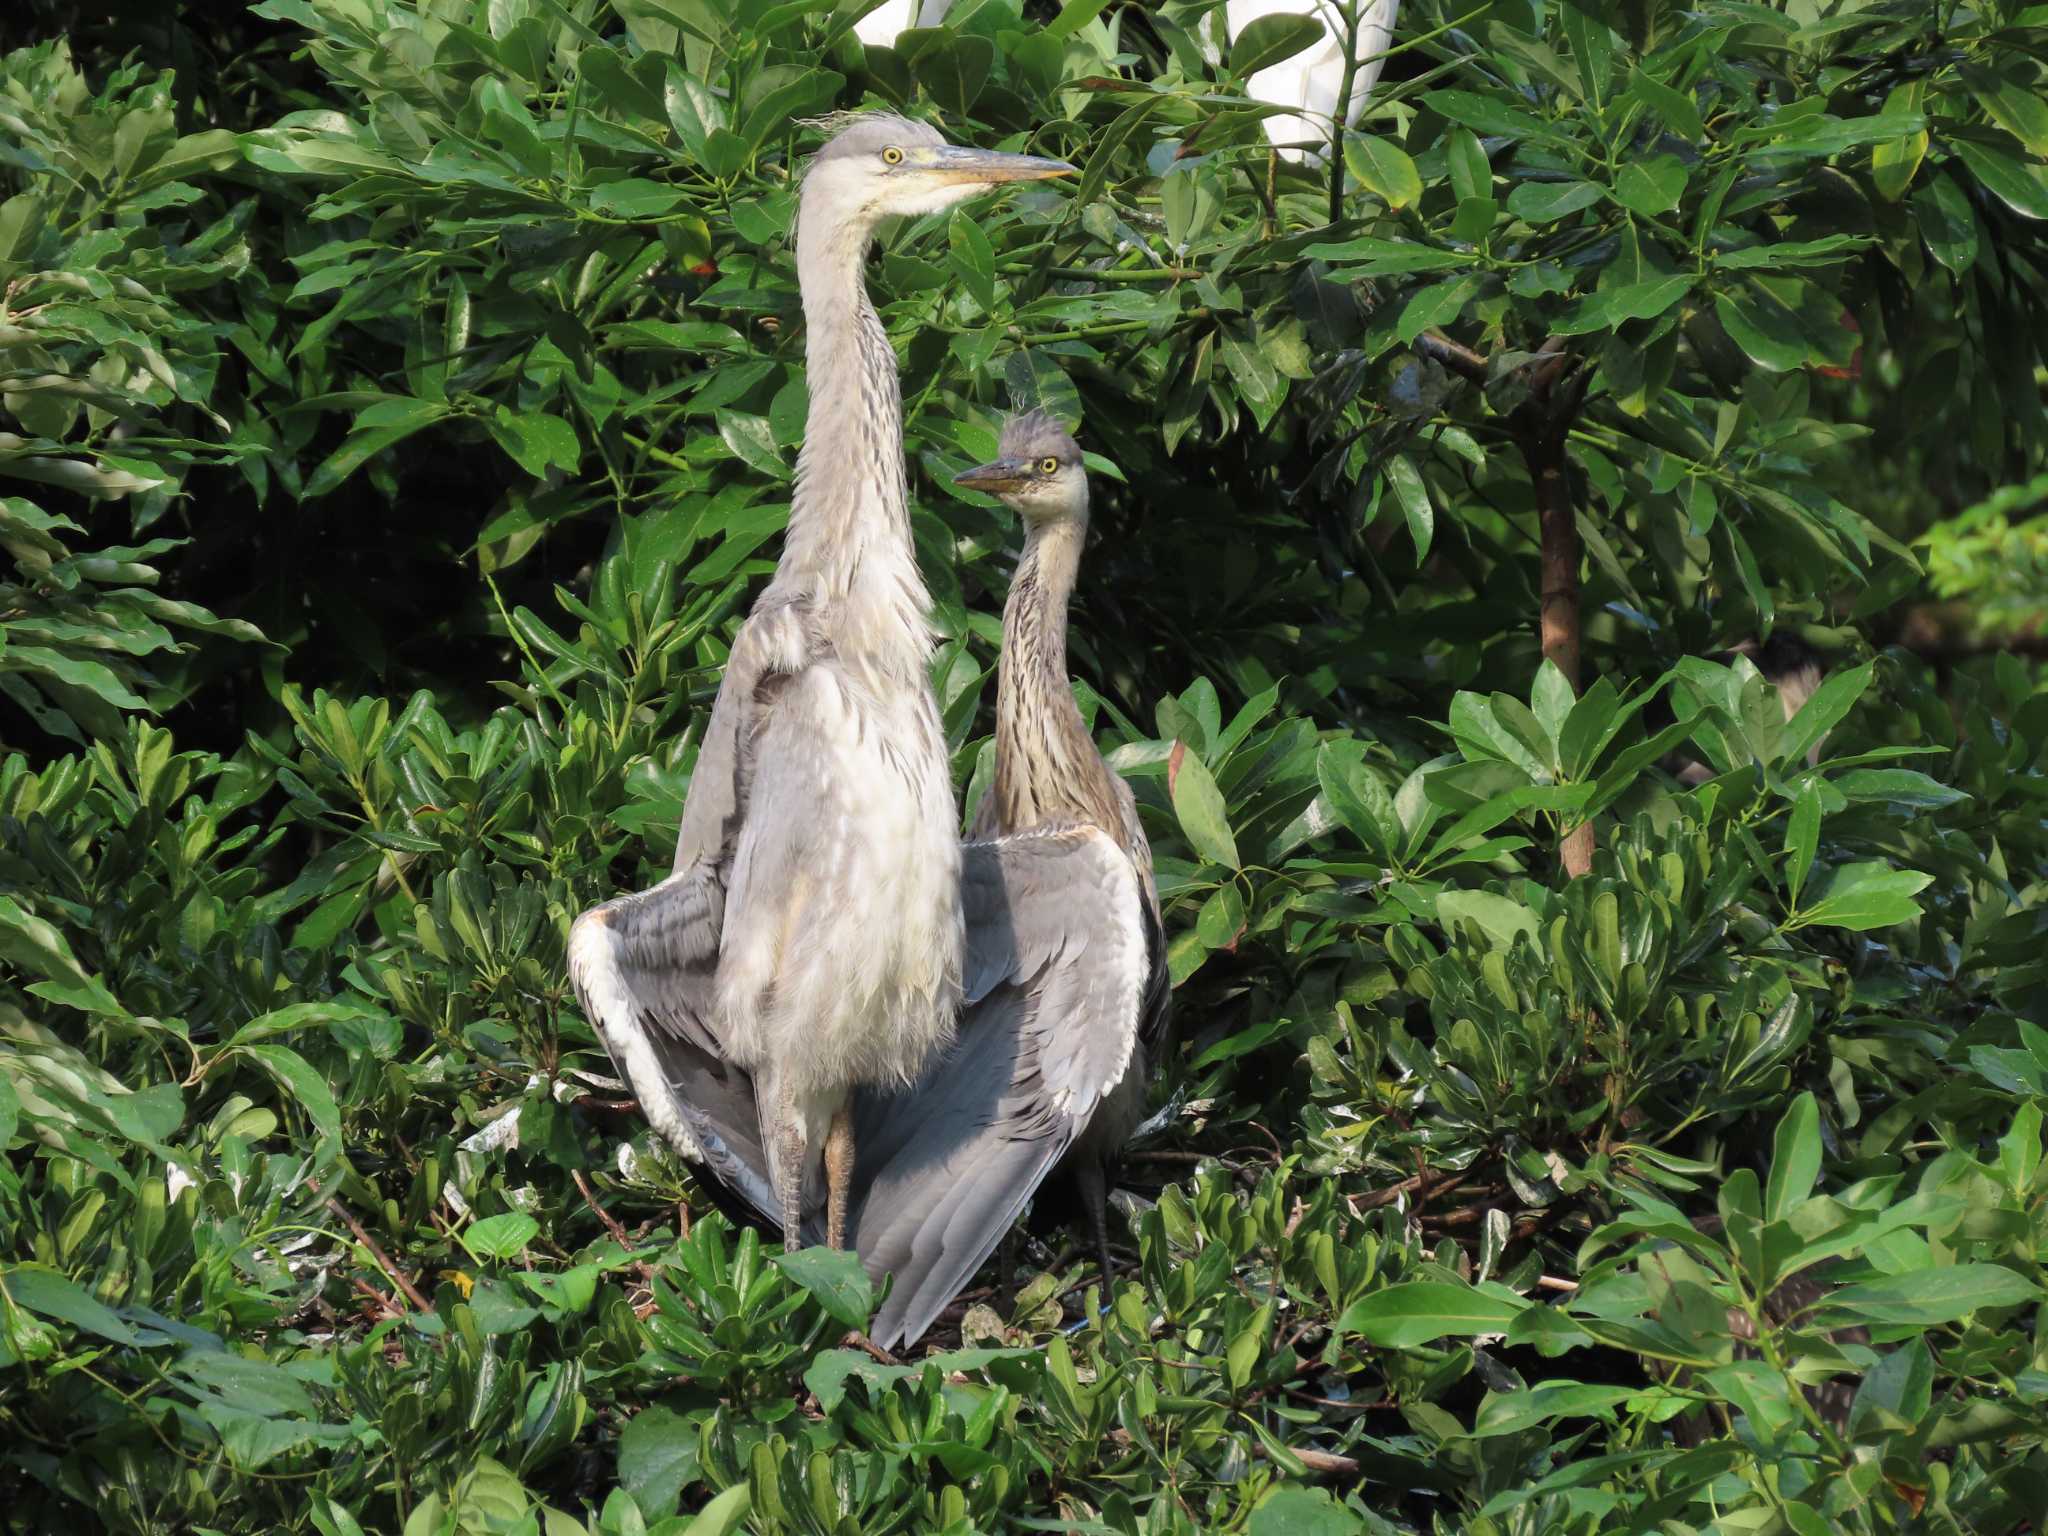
1540	426
1543	452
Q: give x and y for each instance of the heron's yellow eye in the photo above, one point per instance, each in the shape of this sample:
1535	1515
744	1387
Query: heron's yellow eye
892	156
1048	466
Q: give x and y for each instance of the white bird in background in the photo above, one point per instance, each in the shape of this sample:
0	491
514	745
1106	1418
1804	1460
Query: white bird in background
1313	79
880	26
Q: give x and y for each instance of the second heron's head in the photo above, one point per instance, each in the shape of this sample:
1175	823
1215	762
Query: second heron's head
1038	472
880	165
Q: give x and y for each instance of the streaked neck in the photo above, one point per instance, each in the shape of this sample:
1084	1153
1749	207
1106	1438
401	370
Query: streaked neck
849	522
1047	768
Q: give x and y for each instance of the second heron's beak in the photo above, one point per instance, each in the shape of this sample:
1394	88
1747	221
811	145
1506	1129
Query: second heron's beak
995	478
956	165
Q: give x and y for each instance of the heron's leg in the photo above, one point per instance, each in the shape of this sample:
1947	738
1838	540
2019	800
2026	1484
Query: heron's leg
789	1167
1006	1267
1092	1180
838	1174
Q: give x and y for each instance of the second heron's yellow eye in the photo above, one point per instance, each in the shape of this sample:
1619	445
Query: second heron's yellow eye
892	156
1048	466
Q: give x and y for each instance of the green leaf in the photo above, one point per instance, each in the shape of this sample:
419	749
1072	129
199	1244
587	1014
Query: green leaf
536	441
657	1458
1500	918
2018	109
1292	1510
835	1281
1611	307
362	445
1802	837
1419	1312
1545	202
52	1295
1221	919
1370	257
1864	896
2020	185
1489	115
1895	162
1551	699
39	946
1430	309
1753	329
722	1516
303	1086
500	1238
752	439
1830	703
956	72
1651	187
1413	495
1073	16
1198	804
1471	172
1900	1387
693	109
1383	168
1925	1297
1596	717
1244	1350
1356	794
1896	786
1795	1159
636	198
1947	222
973	260
1270	39
1675	107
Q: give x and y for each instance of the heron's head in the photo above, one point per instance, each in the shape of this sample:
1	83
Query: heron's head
880	164
1038	472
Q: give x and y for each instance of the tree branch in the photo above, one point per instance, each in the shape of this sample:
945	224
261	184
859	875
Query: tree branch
1460	359
1540	426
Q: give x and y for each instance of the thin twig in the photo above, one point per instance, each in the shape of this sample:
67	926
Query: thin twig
1408	1186
1319	1463
385	1305
382	1259
867	1346
611	1223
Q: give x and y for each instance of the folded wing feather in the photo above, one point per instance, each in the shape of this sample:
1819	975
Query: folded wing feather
1058	967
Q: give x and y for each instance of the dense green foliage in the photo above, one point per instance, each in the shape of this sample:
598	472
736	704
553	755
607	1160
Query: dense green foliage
397	400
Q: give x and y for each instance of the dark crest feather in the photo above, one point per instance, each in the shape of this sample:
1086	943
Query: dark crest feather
1036	434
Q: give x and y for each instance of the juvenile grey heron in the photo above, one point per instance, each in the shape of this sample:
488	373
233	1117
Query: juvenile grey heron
809	940
1066	986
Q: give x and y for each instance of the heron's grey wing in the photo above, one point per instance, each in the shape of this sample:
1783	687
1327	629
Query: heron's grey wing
1156	1019
773	639
1057	969
645	984
645	965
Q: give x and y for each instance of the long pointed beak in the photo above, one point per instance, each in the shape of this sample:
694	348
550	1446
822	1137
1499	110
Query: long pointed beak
955	164
995	478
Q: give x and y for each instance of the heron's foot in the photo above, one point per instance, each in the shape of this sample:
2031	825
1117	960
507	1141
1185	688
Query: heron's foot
838	1174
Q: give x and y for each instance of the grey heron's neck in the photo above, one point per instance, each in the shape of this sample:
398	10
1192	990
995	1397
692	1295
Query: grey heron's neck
849	520
1047	768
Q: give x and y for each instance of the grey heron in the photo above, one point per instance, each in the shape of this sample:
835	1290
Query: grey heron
1067	995
809	940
